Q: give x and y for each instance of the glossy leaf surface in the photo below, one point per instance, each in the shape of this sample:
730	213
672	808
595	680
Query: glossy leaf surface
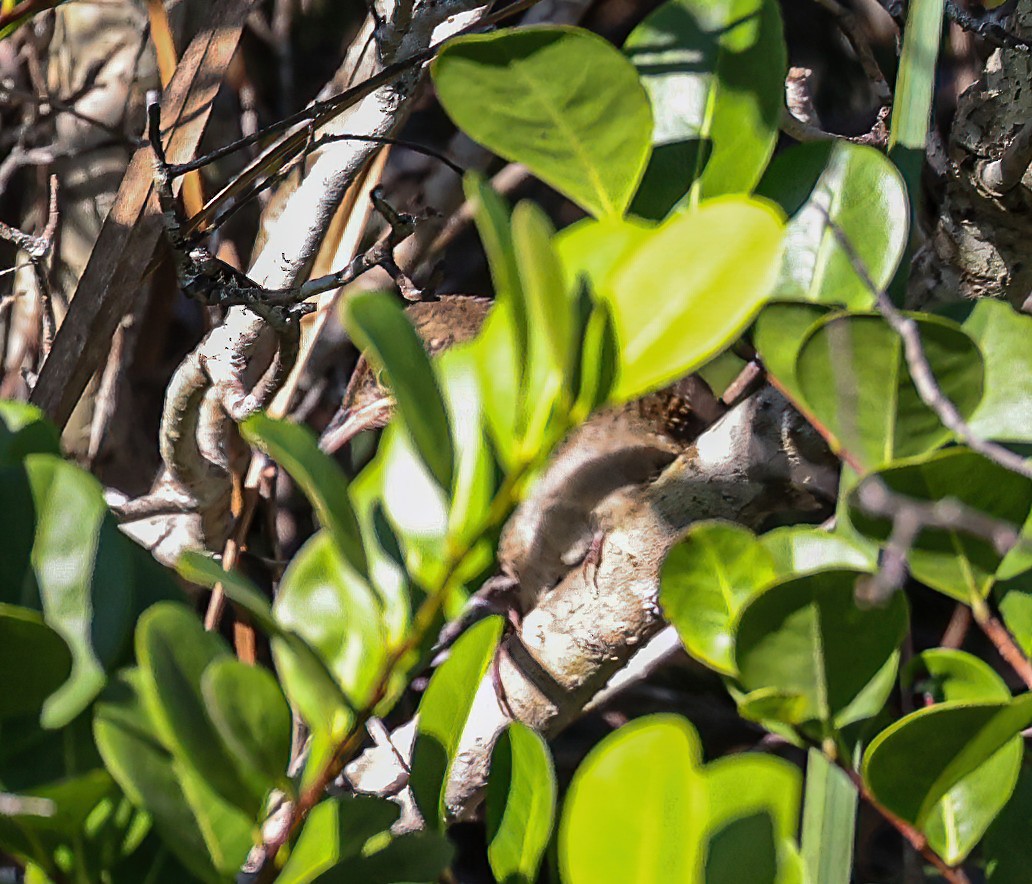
521	803
705	581
854	377
714	71
546	97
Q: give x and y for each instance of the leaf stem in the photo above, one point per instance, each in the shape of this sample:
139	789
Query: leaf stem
1002	640
424	618
916	838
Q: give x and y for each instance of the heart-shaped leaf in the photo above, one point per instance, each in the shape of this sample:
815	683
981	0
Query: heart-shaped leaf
808	637
951	560
854	377
856	189
521	800
691	288
715	72
547	97
705	581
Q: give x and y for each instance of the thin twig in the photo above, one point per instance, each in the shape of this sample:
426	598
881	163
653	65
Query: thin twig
920	368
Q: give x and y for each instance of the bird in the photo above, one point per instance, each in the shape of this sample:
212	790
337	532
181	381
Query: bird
554	528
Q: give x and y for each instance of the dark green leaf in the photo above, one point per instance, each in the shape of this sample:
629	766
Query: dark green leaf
856	189
778	333
913	763
252	717
808	637
959	819
521	801
381	328
715	72
547	97
174	650
24	430
705	581
320	477
854	377
34	659
1008	842
952	561
136	757
443	712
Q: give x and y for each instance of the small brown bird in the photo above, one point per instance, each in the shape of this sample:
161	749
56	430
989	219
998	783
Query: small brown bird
554	528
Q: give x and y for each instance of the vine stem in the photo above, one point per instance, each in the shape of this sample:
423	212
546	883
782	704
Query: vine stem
424	618
916	839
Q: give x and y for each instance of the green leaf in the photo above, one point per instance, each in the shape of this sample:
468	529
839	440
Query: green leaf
135	755
336	613
778	333
808	637
24	430
203	570
959	819
753	808
1007	848
521	802
912	104
629	818
1002	334
802	549
34	659
704	582
252	717
547	97
829	821
319	476
418	857
914	763
174	650
592	247
952	561
691	289
443	712
863	195
336	830
715	72
380	327
854	377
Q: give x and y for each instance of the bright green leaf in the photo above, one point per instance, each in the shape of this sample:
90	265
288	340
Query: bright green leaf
443	712
547	97
521	802
380	327
319	476
829	821
691	289
704	582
